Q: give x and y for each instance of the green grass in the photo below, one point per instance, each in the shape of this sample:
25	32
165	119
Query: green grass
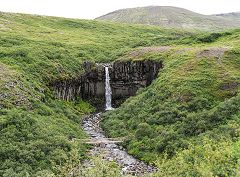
36	129
195	97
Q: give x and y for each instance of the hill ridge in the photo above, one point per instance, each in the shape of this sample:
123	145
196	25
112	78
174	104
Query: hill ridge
170	17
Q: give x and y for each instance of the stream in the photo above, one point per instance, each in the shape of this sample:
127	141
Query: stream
112	151
109	149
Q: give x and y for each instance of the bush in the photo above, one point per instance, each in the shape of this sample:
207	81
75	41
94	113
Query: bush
209	159
211	37
143	130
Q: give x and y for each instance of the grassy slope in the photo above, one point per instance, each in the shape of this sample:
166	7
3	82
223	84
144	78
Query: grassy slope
36	129
189	116
171	17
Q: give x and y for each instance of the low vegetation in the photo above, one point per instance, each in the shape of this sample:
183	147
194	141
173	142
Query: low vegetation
37	129
187	121
194	101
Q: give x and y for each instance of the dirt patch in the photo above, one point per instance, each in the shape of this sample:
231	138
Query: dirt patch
214	52
182	51
3	28
13	91
3	69
5	72
141	51
229	86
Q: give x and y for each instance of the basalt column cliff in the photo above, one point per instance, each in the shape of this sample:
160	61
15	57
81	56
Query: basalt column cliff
126	77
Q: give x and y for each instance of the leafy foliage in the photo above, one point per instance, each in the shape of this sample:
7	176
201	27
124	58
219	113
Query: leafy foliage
101	167
208	159
195	96
38	140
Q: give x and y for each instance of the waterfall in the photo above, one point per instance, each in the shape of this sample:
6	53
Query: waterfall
108	91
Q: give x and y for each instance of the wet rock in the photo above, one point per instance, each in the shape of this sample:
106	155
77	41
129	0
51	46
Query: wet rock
113	152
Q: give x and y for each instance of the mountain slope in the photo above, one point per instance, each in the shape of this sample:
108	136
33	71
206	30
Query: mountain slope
171	17
235	16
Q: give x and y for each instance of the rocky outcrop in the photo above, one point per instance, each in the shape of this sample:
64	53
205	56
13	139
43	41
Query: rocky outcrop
90	85
126	78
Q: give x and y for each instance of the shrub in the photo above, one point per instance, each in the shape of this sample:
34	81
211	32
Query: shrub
209	159
143	130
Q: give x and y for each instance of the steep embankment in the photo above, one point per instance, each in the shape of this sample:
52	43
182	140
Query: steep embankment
37	129
171	17
187	121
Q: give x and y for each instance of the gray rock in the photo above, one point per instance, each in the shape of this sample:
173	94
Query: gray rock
113	152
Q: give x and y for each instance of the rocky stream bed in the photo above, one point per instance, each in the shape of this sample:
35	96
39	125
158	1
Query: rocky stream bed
112	151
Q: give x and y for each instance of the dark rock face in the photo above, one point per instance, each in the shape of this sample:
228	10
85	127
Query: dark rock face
126	78
88	86
67	89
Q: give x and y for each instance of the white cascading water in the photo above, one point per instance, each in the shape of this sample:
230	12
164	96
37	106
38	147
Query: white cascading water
108	91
